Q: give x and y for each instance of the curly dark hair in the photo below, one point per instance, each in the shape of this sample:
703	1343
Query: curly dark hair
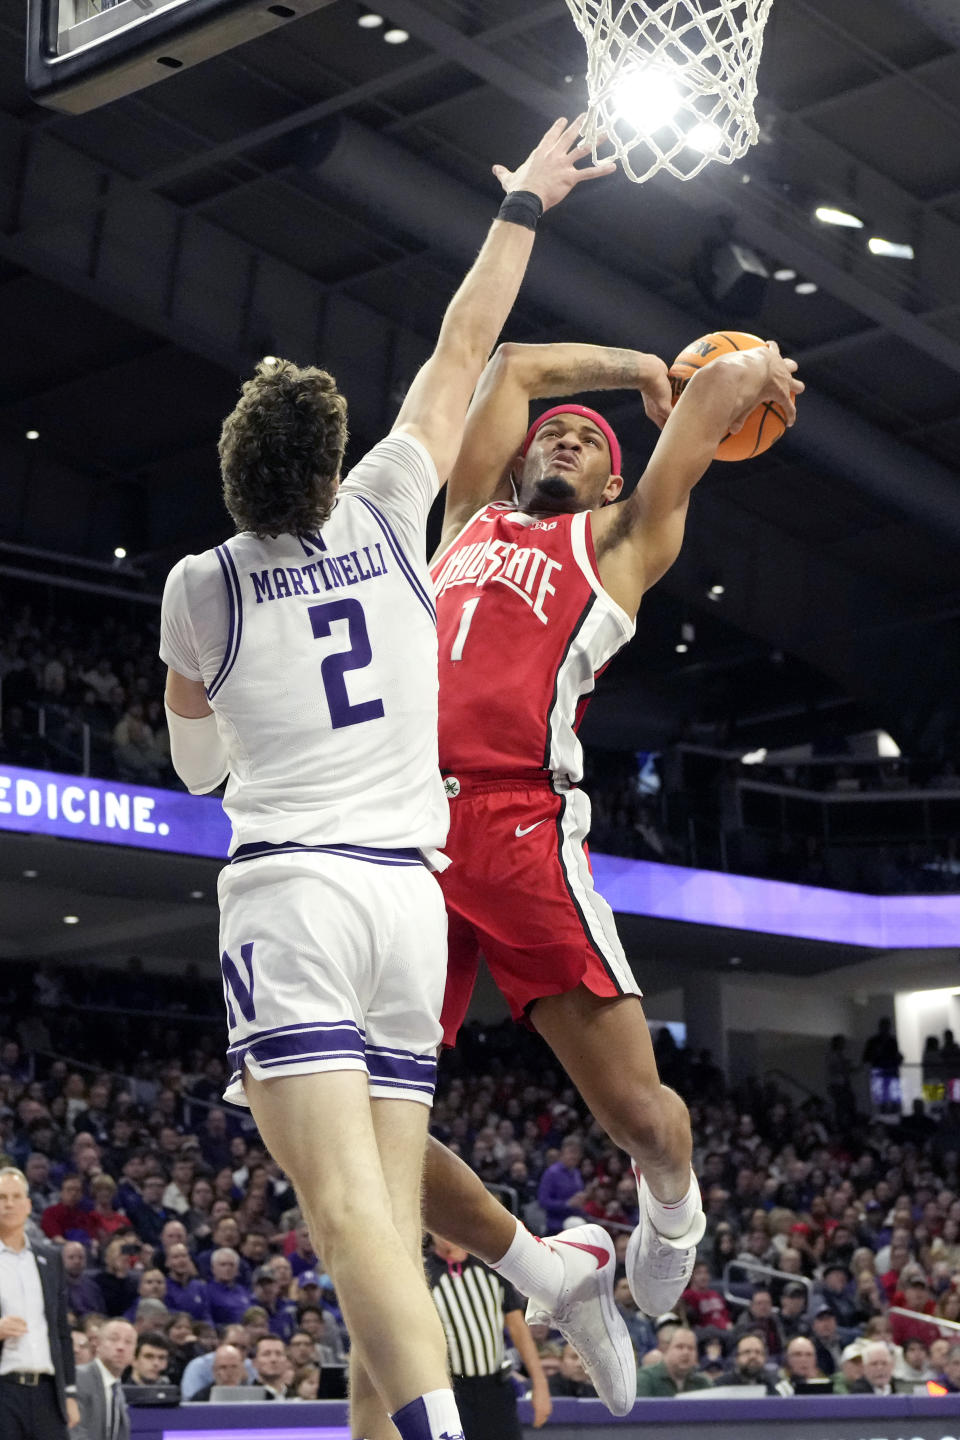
281	449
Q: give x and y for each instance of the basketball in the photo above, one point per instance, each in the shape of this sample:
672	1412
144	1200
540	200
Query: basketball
763	427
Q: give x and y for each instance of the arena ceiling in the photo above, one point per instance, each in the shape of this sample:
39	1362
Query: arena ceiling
318	192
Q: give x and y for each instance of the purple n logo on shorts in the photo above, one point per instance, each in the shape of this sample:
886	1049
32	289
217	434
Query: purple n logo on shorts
242	993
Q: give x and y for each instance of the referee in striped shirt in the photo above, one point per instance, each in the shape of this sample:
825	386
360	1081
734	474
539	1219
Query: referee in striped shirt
475	1304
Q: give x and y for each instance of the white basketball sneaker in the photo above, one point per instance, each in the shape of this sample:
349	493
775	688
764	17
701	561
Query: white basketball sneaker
587	1317
659	1269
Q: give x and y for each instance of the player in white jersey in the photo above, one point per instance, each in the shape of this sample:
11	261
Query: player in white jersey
302	661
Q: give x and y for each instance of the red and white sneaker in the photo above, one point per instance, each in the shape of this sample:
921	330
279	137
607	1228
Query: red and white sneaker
659	1269
587	1317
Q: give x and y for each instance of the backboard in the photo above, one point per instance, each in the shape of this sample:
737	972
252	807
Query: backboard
84	53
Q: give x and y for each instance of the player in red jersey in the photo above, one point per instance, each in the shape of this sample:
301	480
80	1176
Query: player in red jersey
534	598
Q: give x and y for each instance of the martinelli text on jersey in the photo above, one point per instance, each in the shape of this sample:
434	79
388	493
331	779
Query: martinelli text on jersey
335	571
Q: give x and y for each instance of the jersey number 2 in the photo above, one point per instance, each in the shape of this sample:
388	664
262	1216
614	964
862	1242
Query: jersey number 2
333	668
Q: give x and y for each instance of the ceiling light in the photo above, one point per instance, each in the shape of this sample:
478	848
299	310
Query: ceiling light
270	360
33	434
828	216
687	632
71	919
119	553
396	36
887	747
196	894
716	591
806	287
647	99
681	648
785	274
370	21
735	960
754	757
877	246
30	874
705	137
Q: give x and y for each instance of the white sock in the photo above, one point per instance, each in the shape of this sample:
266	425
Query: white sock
533	1267
675	1219
433	1416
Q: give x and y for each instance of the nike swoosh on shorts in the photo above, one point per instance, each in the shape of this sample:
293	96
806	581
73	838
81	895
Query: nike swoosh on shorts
525	829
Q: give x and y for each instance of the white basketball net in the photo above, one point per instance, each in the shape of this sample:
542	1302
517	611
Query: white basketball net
672	85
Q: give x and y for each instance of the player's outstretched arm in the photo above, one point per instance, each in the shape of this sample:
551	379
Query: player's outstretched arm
637	542
435	407
499	411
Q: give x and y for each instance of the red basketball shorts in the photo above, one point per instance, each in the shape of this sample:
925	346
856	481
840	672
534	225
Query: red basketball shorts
519	890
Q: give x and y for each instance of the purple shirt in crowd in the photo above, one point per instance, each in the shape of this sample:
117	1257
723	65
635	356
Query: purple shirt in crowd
557	1184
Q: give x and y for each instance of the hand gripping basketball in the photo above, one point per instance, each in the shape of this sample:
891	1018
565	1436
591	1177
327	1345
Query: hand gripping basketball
550	170
769	413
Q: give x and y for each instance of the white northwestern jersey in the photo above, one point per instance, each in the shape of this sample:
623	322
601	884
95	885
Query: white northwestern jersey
319	657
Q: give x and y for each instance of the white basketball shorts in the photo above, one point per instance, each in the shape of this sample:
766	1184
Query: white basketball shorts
333	958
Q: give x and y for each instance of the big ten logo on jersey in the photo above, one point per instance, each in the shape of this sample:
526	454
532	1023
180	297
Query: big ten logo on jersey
524	569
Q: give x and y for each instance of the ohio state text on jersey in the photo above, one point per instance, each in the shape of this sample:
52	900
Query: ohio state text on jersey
524	627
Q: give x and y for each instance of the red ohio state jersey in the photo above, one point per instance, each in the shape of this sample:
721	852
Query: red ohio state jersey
524	627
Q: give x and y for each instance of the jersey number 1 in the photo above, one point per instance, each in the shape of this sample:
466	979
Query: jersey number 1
466	616
333	668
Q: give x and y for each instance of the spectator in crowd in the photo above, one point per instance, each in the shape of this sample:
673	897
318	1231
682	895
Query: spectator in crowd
281	1313
270	1363
915	1296
850	1369
150	1215
104	1220
571	1380
67	1219
184	1290
42	1190
117	1282
305	1384
760	1318
793	1311
228	1369
800	1363
705	1307
749	1365
152	1285
639	1327
836	1293
827	1341
913	1364
949	1377
136	754
83	1293
877	1371
561	1190
227	1297
151	1359
677	1372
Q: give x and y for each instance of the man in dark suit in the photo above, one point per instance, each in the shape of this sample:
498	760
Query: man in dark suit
103	1408
37	1372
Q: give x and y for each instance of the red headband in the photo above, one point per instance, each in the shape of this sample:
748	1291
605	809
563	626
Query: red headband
588	414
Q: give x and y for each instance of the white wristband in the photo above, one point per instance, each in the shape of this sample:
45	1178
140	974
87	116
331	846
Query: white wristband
197	750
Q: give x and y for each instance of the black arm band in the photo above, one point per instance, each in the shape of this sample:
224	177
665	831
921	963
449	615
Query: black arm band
521	207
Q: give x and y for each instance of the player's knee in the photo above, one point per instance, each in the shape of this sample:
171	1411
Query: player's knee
644	1125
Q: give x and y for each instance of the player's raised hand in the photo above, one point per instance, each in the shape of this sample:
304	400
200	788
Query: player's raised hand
550	170
778	381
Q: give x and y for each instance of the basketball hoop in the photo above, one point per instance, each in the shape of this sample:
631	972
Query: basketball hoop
672	83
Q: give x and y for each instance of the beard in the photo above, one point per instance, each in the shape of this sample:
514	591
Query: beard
556	488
